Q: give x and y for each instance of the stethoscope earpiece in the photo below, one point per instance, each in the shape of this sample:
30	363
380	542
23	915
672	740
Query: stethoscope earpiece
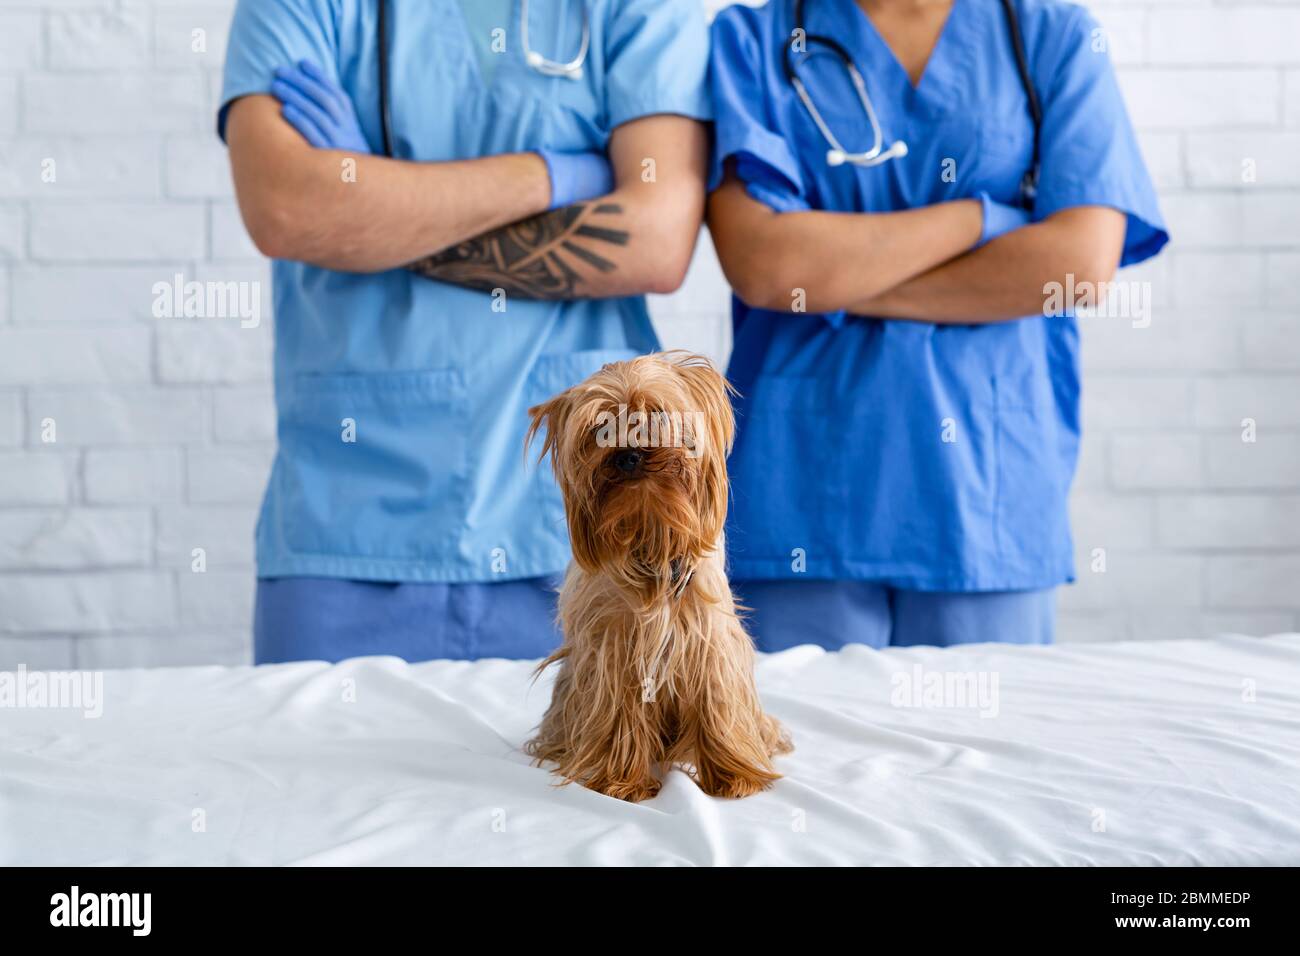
835	157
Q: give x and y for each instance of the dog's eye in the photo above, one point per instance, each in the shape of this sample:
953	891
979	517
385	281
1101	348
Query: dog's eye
628	461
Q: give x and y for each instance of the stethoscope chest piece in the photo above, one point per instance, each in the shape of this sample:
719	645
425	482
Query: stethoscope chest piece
837	154
571	70
837	157
539	63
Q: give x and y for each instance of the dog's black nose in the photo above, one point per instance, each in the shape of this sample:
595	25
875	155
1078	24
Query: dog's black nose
628	461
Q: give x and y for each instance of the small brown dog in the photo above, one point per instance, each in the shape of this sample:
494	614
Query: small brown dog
655	667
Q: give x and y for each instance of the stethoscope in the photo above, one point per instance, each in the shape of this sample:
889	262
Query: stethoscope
570	70
837	154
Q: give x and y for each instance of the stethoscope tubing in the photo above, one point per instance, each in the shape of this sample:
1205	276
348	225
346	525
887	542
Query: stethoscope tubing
837	155
385	118
572	70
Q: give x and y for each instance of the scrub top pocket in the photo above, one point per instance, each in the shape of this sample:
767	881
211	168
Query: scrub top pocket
872	478
1029	445
371	465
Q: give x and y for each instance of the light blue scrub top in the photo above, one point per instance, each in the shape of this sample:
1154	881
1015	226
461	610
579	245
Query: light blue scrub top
841	468
436	486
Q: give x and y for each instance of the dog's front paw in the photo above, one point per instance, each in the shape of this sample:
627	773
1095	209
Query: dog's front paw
734	786
633	791
775	737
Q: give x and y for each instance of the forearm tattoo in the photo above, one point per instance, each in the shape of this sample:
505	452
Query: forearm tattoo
535	258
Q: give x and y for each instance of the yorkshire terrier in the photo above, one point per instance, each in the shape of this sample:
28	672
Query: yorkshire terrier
655	668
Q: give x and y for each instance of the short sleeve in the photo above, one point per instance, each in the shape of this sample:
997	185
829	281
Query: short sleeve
657	60
267	34
1090	155
743	134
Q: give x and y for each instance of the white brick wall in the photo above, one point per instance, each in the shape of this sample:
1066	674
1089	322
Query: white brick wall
163	427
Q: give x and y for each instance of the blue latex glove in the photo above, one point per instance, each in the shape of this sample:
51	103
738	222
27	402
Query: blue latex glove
999	218
317	108
577	176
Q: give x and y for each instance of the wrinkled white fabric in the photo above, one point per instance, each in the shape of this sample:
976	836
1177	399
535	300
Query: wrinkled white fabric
1179	752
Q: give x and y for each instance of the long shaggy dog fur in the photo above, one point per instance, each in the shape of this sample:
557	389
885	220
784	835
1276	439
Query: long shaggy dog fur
655	667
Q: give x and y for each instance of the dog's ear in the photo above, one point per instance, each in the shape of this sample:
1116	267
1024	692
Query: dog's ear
551	415
710	394
714	424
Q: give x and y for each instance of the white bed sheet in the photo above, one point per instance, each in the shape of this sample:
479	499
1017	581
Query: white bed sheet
1138	753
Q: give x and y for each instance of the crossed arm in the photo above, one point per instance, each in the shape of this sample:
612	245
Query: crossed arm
916	264
480	223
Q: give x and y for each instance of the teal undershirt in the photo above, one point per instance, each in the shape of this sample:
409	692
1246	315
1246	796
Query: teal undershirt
481	18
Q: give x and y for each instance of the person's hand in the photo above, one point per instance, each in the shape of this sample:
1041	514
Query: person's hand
576	177
999	219
317	108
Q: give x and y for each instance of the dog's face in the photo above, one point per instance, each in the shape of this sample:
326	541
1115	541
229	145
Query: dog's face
639	451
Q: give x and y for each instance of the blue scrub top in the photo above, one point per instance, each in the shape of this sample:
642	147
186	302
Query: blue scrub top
436	486
927	457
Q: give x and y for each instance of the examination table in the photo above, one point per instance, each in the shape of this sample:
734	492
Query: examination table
1170	752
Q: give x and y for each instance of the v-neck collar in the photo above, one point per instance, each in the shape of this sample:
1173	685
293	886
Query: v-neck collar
867	27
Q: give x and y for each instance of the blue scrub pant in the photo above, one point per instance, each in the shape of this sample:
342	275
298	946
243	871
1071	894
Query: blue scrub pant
331	619
790	612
